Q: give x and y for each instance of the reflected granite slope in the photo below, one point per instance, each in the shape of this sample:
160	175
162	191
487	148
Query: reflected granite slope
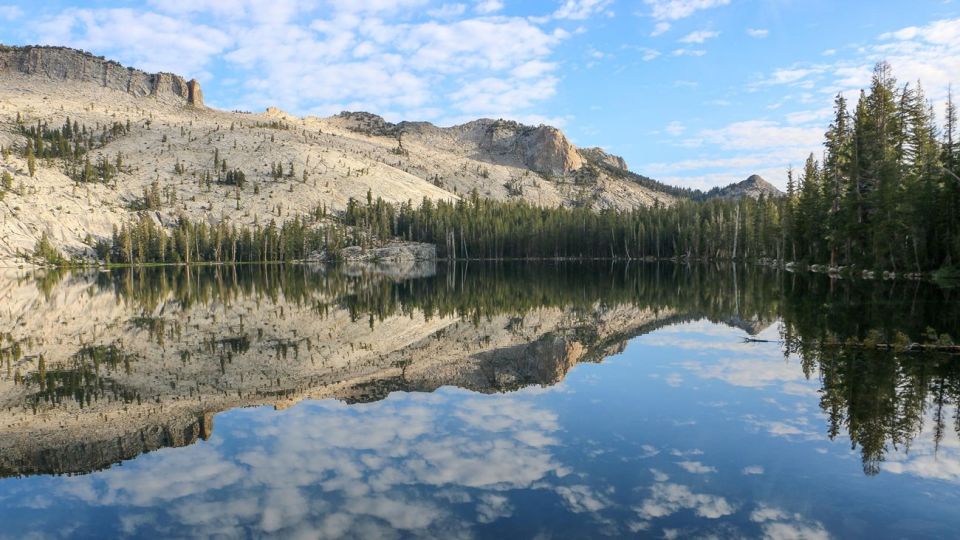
103	367
100	367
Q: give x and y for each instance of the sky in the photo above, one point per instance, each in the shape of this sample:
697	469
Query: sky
697	93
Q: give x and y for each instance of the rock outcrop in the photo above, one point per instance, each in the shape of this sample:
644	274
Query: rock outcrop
60	63
393	252
544	149
598	156
94	455
194	94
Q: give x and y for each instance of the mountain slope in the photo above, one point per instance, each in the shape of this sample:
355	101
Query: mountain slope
752	187
163	133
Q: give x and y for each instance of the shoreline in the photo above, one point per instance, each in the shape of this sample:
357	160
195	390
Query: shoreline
834	272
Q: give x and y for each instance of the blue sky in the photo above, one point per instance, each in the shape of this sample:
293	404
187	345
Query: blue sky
693	92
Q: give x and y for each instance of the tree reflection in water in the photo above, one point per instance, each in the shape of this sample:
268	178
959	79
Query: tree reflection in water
853	336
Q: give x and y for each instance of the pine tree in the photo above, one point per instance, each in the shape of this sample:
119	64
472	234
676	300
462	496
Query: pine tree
921	172
836	176
31	161
809	218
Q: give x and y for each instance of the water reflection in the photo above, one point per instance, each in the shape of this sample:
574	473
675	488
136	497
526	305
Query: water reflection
102	367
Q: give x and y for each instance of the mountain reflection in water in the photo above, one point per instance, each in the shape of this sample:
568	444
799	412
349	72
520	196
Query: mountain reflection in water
446	404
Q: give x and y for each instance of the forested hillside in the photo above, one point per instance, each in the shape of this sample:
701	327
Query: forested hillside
885	196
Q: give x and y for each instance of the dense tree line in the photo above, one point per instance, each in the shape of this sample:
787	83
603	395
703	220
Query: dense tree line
886	196
146	242
487	229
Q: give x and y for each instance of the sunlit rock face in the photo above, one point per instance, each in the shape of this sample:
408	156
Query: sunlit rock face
544	149
63	64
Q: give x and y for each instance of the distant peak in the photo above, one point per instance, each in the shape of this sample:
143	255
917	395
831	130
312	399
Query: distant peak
754	186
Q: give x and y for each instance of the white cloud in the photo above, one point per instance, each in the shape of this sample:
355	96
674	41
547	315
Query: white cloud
660	28
372	6
819	116
762	134
581	9
150	41
752	470
700	36
488	96
695	467
926	53
492	507
649	54
675	128
674	379
778	524
672	10
659	476
486	7
926	457
320	58
796	429
929	53
738	162
580	499
665	11
533	69
10	13
326	469
688	52
758	33
447	11
792	76
794	531
667	499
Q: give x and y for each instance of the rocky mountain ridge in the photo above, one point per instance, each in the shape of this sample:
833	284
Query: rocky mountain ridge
542	149
171	143
65	64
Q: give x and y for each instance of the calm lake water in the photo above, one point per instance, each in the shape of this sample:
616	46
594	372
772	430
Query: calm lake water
553	401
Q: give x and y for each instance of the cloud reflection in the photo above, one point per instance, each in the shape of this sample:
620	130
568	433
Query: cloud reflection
328	470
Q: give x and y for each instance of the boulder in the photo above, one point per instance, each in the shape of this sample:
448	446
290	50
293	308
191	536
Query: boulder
393	252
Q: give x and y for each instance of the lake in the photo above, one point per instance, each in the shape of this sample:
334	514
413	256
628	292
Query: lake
564	400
